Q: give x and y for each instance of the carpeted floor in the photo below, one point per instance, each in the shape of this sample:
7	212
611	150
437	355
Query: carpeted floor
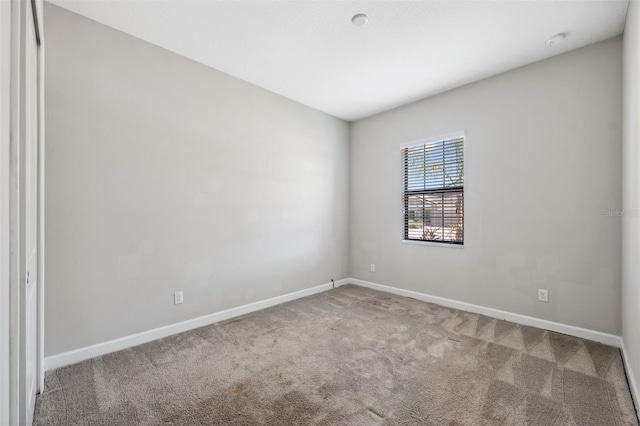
349	356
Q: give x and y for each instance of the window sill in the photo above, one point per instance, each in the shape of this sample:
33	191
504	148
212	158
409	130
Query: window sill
429	243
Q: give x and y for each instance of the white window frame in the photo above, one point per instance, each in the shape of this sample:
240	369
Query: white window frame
426	141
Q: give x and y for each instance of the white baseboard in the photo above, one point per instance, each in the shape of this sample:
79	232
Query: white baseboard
631	378
584	333
77	355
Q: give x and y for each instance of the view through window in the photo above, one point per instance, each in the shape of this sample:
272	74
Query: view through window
434	191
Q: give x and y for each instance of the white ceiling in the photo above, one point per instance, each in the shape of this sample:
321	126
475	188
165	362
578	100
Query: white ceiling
310	52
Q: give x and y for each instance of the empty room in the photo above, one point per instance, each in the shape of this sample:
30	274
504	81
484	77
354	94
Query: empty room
319	212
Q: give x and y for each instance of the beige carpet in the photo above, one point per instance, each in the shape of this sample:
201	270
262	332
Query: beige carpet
350	356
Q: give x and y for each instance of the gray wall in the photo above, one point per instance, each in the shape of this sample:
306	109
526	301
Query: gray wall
165	175
543	158
631	194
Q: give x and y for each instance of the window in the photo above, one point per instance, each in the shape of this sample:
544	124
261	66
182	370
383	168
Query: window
433	186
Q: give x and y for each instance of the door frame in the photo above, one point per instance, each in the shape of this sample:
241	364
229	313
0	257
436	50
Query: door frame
5	187
12	17
15	270
38	7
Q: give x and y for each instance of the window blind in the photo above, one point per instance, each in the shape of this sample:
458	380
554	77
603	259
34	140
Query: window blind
434	191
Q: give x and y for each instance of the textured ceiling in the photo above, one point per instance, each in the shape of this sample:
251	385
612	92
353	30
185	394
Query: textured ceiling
310	52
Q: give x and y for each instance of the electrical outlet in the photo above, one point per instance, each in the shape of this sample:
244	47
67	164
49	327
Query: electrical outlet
178	298
543	295
373	267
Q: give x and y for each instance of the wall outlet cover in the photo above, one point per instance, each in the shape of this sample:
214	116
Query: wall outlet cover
543	295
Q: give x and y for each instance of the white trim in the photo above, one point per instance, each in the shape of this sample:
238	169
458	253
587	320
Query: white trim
5	256
631	378
433	244
15	268
77	355
584	333
41	185
439	138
